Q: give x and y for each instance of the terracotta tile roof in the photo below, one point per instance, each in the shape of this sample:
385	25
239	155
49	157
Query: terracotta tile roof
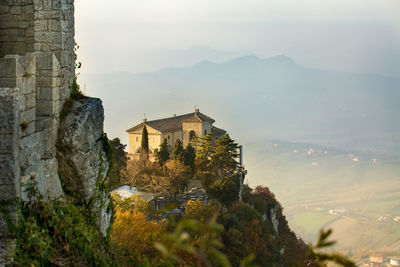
173	123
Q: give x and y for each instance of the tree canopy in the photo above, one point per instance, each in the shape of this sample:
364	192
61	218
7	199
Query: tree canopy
224	158
162	154
119	161
189	156
177	152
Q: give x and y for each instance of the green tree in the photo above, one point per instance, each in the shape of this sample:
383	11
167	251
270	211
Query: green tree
120	161
177	152
203	154
145	141
225	190
178	174
223	160
189	156
162	155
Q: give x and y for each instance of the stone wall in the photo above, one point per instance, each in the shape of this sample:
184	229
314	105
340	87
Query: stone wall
16	27
37	68
37	41
9	161
197	127
28	26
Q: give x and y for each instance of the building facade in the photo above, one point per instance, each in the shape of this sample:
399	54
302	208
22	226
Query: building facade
182	127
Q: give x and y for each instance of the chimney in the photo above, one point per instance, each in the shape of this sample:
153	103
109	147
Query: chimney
196	110
174	115
144	120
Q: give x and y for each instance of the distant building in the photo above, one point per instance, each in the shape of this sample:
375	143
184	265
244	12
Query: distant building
336	211
376	260
127	191
394	261
182	127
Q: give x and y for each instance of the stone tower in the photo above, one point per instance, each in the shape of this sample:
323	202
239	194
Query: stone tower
37	68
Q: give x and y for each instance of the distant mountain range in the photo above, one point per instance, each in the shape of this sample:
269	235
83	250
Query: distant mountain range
256	98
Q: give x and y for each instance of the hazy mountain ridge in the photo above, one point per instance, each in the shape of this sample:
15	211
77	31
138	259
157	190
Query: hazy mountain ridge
273	97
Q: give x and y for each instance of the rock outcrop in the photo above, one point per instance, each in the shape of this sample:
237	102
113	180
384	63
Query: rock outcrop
83	163
80	154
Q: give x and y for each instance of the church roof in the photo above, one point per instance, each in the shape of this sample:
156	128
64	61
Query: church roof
217	131
173	123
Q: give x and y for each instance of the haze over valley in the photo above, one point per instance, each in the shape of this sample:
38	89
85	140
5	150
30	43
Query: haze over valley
311	90
326	142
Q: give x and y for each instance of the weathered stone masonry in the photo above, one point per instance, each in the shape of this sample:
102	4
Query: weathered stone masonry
37	67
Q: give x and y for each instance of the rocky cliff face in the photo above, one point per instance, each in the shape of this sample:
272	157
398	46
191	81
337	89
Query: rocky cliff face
287	249
80	151
83	162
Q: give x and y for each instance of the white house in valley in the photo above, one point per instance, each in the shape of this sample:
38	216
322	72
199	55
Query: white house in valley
182	127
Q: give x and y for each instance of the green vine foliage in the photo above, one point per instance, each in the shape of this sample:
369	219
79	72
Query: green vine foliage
56	232
76	92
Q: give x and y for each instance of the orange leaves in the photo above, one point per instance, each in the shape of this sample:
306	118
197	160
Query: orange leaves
132	232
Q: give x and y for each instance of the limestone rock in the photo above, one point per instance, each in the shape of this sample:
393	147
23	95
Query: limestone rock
82	162
104	214
81	159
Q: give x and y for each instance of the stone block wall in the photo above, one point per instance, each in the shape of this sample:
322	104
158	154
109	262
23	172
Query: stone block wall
9	162
16	27
28	26
37	67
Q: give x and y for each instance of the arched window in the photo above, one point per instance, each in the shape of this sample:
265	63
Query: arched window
205	132
191	135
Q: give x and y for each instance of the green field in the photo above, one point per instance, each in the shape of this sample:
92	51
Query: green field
311	222
310	184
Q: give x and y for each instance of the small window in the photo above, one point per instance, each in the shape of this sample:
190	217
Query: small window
168	137
137	139
205	132
191	135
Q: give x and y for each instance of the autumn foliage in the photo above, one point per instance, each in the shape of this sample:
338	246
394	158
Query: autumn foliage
133	233
199	211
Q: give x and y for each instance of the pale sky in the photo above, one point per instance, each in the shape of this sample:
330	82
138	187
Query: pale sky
138	36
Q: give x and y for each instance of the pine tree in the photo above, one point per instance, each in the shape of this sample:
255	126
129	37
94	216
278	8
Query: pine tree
223	160
177	152
189	156
145	141
162	154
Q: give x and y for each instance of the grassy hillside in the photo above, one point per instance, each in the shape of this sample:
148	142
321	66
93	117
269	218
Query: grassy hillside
311	181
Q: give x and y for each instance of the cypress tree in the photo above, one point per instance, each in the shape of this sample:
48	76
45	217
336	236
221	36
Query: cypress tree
145	141
177	152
